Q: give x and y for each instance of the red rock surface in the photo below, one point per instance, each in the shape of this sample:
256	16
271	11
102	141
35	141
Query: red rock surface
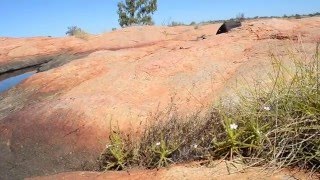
19	50
218	171
59	120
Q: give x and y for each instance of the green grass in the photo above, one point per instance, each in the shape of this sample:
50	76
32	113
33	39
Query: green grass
275	124
282	118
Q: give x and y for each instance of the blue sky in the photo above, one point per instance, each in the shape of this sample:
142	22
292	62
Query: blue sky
25	18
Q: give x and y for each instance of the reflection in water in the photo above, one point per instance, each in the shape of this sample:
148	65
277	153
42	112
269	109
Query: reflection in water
12	81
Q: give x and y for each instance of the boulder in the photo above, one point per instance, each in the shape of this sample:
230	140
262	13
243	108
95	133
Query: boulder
227	26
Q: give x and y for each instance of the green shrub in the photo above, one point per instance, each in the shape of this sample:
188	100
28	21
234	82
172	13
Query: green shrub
240	17
175	23
77	32
72	30
192	23
297	16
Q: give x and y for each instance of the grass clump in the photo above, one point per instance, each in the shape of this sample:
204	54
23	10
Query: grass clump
276	124
178	139
119	154
165	141
280	121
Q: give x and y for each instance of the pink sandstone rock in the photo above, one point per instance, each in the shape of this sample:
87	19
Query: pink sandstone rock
59	120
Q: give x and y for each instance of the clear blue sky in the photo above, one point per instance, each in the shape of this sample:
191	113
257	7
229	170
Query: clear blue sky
22	18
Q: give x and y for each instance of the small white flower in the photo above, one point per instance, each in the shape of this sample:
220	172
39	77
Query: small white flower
267	108
158	144
233	126
195	146
108	145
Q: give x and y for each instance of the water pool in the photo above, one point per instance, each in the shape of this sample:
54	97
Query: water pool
14	80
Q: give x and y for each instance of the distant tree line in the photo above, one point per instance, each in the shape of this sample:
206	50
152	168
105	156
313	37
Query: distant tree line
241	17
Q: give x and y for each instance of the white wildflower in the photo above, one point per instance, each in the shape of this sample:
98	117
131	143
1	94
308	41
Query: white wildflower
195	146
108	146
267	108
158	144
233	126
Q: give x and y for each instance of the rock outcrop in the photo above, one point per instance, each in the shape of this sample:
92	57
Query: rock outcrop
221	170
58	120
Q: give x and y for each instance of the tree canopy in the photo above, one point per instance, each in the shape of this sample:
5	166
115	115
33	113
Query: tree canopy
136	12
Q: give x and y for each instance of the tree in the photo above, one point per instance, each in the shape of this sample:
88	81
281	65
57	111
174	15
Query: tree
136	12
73	30
297	16
240	17
77	32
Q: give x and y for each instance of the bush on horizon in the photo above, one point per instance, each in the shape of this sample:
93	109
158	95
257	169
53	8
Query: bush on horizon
77	32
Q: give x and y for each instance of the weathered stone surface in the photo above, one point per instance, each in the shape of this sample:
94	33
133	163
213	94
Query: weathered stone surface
58	120
190	171
17	53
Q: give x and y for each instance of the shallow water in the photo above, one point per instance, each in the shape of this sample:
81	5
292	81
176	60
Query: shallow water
14	80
